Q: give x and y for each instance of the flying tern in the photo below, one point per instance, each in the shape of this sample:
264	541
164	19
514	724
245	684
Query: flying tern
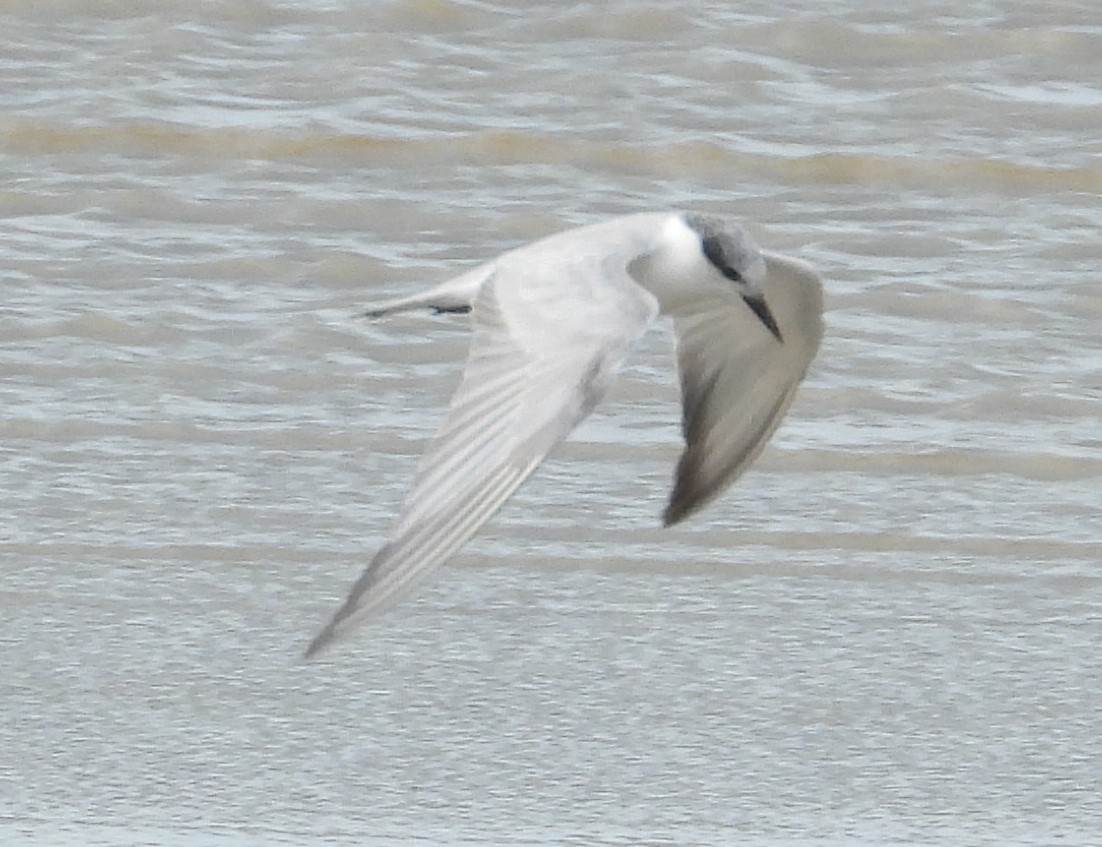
552	323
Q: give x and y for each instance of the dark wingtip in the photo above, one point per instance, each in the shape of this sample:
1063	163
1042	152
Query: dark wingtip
320	642
675	512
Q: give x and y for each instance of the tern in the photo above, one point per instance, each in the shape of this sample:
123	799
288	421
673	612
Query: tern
552	323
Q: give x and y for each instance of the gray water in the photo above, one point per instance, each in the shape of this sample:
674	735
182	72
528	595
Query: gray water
889	632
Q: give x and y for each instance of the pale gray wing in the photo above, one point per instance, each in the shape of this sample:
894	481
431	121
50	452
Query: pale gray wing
540	360
737	379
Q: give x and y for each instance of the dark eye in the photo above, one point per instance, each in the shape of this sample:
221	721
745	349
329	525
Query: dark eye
715	251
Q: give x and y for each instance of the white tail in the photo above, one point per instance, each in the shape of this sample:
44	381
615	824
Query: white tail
455	295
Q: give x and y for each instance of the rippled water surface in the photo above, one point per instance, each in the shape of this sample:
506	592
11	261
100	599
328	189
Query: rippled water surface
889	632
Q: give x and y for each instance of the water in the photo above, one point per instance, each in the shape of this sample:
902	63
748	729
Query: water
888	633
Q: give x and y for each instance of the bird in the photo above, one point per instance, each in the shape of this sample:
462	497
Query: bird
552	322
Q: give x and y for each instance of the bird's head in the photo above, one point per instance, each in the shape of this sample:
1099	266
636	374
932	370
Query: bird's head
736	257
